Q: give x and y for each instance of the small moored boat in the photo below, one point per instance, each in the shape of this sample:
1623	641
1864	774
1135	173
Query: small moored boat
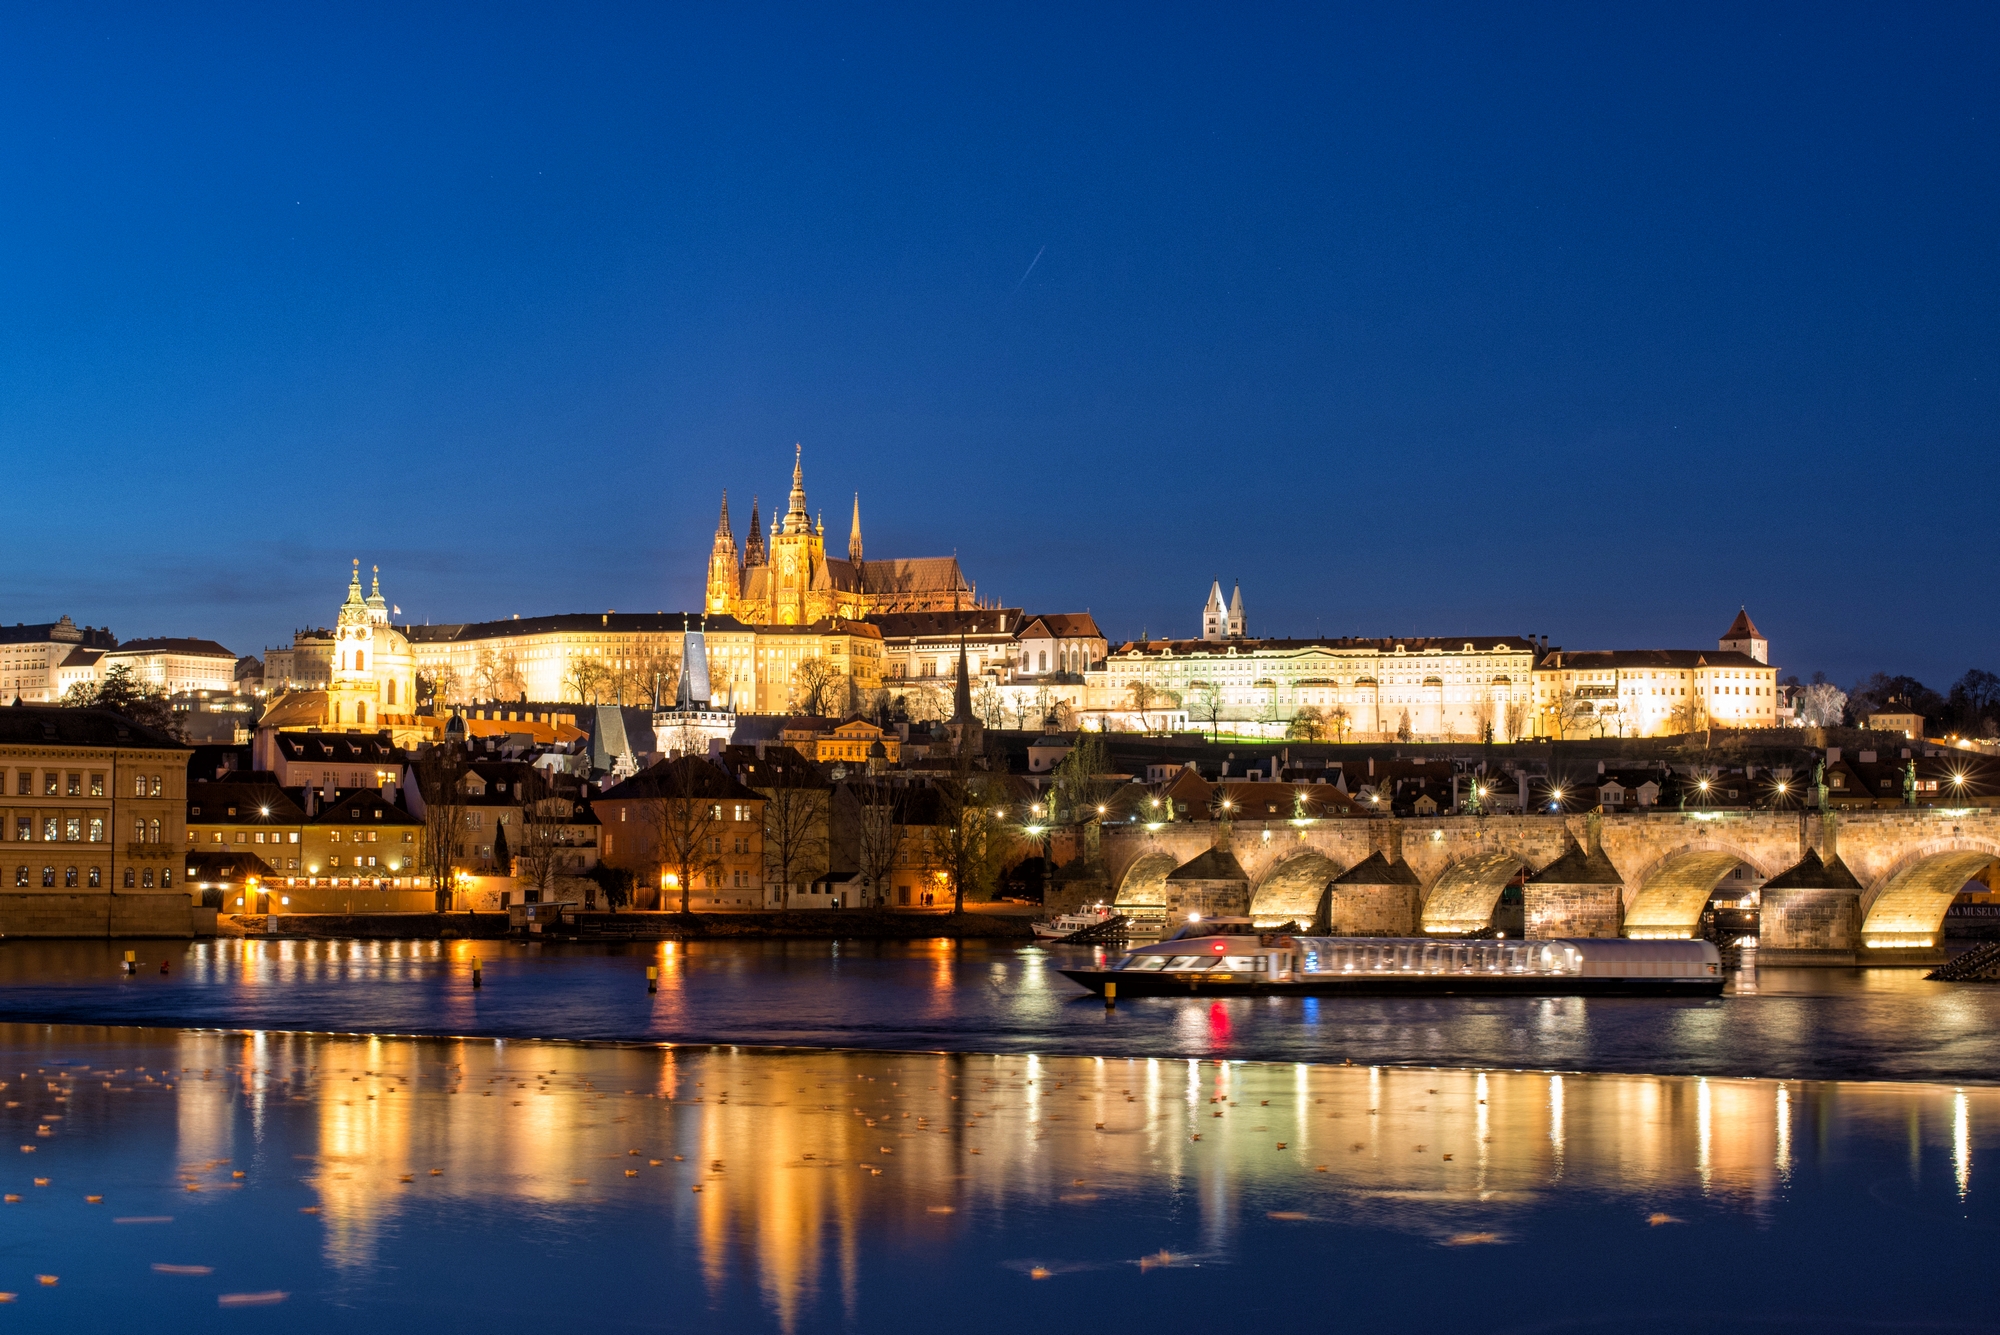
1419	966
1060	926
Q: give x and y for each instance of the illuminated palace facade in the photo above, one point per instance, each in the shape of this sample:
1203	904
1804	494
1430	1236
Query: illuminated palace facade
793	582
1432	688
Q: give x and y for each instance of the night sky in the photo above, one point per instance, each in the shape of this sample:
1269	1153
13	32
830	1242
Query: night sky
1413	320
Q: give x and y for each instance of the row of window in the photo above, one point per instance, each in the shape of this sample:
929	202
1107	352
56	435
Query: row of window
70	783
93	878
79	829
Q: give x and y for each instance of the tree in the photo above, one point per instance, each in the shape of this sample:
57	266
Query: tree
1081	787
1141	692
967	840
439	769
1339	722
587	681
987	704
795	824
1974	701
686	819
1879	691
126	696
503	857
1205	705
497	676
880	831
1308	724
540	842
925	701
1403	733
817	688
1821	704
1569	711
438	686
654	672
614	883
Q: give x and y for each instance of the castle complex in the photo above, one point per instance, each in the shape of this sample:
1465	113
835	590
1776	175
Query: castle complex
793	582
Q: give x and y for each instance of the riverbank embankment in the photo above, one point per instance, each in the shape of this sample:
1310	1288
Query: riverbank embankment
819	925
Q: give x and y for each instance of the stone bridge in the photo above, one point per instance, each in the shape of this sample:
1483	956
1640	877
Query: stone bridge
1865	884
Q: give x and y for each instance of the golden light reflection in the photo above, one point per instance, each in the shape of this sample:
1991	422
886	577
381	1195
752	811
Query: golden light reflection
784	1171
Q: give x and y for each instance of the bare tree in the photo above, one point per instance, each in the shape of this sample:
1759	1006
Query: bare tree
656	669
439	770
439	686
967	841
926	701
1403	733
1308	724
987	704
880	834
1141	692
540	843
817	688
796	802
486	675
587	681
1821	705
1339	722
1205	705
686	821
1569	711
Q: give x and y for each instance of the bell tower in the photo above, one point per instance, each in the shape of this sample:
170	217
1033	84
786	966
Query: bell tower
351	698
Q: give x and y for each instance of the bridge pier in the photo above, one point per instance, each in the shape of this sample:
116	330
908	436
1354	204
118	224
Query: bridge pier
1579	894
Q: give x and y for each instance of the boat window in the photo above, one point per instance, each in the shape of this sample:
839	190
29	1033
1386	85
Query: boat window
1240	963
1180	963
1147	963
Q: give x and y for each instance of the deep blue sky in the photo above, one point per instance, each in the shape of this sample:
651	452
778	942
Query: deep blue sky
1414	320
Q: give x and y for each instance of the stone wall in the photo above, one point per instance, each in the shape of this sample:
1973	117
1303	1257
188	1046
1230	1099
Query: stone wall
57	914
1551	910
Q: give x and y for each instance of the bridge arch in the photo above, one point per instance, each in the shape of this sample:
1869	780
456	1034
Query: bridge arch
1145	881
1906	907
1293	887
1462	898
1674	890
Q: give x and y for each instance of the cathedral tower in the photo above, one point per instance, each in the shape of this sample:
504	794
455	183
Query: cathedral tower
798	556
724	574
854	533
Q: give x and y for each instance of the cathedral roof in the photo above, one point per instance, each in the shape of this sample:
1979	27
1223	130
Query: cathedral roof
916	574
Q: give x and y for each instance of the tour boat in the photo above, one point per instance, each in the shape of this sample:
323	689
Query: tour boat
1282	963
1063	924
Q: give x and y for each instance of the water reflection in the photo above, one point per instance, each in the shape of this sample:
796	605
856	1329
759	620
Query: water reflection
1878	1024
798	1182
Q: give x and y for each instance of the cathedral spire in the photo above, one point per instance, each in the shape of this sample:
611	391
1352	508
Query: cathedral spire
722	529
854	533
796	519
753	546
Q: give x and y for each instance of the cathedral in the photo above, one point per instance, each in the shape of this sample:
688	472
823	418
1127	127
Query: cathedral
791	581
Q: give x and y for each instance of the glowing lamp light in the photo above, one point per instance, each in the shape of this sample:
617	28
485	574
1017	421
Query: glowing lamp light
1194	917
1220	946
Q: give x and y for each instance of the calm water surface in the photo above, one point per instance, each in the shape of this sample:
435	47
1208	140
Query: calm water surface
302	1183
1795	1024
